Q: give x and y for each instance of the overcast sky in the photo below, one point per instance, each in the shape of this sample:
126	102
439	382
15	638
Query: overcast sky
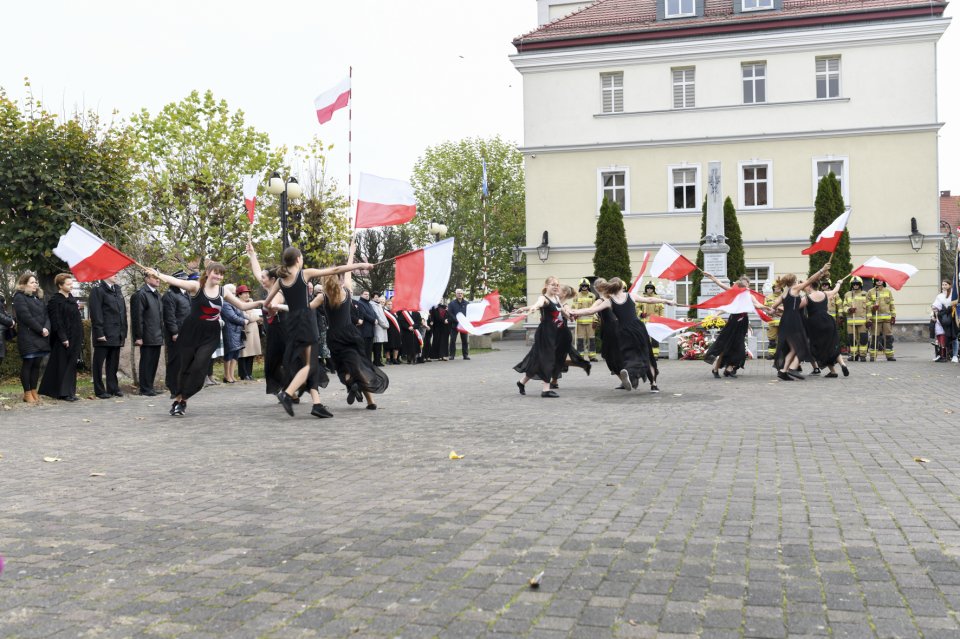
425	71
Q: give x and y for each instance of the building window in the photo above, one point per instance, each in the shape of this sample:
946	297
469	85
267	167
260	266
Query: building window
840	167
614	186
680	8
757	5
828	78
754	82
683	88
756	184
684	287
758	274
684	181
611	92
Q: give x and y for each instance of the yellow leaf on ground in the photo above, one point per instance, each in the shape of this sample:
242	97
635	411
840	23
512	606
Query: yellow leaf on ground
97	474
922	460
86	421
454	455
535	580
52	459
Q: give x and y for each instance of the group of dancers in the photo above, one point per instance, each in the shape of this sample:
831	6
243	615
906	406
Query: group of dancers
807	333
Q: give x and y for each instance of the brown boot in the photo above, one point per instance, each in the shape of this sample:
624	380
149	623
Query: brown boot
36	397
28	397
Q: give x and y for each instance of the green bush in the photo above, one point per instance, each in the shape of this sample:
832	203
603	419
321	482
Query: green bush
10	367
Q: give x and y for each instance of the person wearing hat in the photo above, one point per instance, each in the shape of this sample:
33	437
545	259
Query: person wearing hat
175	308
586	332
855	308
883	315
251	337
646	309
773	326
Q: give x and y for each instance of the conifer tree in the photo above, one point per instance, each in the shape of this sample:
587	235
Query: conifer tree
736	266
828	206
697	276
611	257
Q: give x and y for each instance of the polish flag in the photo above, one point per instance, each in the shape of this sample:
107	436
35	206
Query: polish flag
384	202
735	300
669	264
660	328
483	317
89	257
829	237
896	275
250	184
422	276
332	99
635	287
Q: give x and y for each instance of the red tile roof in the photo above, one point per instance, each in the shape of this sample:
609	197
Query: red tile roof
620	21
950	209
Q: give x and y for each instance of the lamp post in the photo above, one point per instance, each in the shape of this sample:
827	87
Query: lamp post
543	251
287	189
949	240
438	230
518	258
916	237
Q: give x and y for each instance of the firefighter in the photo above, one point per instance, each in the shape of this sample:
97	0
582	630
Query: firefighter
855	308
586	340
773	328
882	315
646	309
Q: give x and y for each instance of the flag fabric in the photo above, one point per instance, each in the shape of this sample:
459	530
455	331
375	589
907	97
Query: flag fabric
483	317
896	275
384	202
736	299
635	287
669	264
250	184
89	257
422	276
829	237
332	99
660	328
392	319
484	187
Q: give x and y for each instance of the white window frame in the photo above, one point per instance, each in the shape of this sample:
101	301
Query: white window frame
698	193
753	80
844	179
680	13
826	74
684	84
761	5
754	284
687	283
626	185
741	186
614	91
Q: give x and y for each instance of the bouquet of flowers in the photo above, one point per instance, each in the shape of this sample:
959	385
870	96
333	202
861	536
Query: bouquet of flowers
692	345
713	321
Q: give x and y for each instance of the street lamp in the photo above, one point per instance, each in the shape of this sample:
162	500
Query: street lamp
916	237
287	190
543	251
438	230
949	240
517	258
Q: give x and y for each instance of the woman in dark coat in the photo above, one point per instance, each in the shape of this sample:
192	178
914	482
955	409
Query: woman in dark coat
440	329
410	343
33	338
66	325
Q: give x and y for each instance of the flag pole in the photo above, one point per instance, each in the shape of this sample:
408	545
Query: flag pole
353	234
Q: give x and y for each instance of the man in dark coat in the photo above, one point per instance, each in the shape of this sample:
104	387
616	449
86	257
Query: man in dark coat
458	305
108	317
176	307
146	321
6	322
368	318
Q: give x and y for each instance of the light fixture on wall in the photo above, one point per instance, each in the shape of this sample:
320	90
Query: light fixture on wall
916	237
949	240
543	251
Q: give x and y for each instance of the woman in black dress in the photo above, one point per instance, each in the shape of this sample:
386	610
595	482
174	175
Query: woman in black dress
66	332
300	334
199	336
410	343
356	372
729	350
609	342
541	361
822	329
638	361
439	322
394	341
793	345
565	348
274	375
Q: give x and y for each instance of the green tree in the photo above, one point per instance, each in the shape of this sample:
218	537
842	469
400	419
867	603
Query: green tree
380	244
447	181
828	206
193	157
696	278
736	266
611	258
56	171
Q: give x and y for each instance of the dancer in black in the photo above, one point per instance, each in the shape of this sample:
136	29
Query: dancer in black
200	334
541	361
822	329
609	342
274	375
793	346
729	350
565	346
300	334
638	361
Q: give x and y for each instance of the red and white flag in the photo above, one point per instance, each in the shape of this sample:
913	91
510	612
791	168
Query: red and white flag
89	257
669	264
483	317
250	184
332	99
896	275
635	287
829	237
422	276
384	202
660	328
735	300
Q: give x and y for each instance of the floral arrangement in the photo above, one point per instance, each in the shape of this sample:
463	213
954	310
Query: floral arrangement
693	345
713	321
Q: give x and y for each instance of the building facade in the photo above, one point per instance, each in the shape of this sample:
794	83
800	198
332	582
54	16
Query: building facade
630	99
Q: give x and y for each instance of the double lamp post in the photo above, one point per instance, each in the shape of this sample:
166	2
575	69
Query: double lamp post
287	190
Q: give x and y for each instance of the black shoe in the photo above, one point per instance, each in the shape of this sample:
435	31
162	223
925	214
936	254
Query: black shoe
173	408
378	364
319	410
891	359
783	376
654	388
846	371
523	389
104	396
371	407
148	393
796	375
815	371
118	394
621	387
352	393
286	402
465	357
179	409
730	374
831	375
554	385
548	393
68	398
227	381
716	374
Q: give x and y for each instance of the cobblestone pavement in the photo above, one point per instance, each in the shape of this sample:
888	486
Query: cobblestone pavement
718	508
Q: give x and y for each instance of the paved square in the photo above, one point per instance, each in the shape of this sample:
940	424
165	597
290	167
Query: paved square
718	508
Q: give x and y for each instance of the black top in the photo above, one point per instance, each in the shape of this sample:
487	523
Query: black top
295	295
108	315
32	318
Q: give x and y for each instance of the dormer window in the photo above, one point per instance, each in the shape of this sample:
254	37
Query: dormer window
680	8
757	5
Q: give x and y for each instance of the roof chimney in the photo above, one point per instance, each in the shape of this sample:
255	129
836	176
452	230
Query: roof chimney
944	193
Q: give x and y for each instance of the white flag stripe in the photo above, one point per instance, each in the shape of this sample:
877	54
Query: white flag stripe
835	227
77	245
384	190
475	310
437	262
876	262
329	96
483	329
250	184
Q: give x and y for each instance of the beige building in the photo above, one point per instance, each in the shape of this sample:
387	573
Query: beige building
630	99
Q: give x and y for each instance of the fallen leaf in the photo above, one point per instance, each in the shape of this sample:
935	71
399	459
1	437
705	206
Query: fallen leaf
632	622
948	411
454	455
535	580
97	474
139	418
52	459
86	421
922	460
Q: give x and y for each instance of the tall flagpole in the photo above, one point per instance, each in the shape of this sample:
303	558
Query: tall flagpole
353	233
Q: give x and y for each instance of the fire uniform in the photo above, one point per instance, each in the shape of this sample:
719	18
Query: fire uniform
586	337
855	308
882	315
773	327
645	310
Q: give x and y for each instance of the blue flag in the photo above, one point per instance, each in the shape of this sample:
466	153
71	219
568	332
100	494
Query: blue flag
484	187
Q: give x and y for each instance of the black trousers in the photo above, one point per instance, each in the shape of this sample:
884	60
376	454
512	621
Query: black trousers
368	347
245	367
109	356
378	353
464	342
172	371
30	373
149	361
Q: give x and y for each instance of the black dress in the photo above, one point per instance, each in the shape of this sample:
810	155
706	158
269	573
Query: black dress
347	350
634	342
822	332
409	339
565	349
729	345
393	331
66	325
301	337
440	331
609	342
199	339
541	361
792	334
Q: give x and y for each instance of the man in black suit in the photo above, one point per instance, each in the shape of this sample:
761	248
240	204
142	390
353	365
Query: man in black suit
175	308
368	318
108	318
458	305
